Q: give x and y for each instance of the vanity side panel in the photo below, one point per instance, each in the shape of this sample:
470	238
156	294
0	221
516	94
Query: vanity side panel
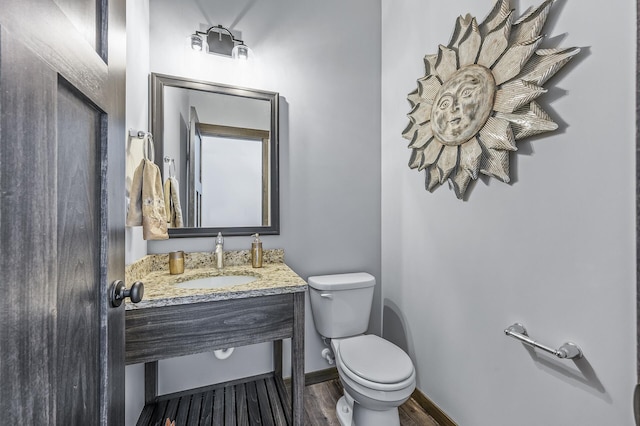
170	331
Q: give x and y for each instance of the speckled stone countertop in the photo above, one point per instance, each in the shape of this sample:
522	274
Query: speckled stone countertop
275	277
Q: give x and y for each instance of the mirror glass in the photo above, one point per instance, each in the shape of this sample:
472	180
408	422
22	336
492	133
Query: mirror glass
220	144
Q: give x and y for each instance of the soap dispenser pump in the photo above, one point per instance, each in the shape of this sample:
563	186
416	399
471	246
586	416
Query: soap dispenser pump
256	252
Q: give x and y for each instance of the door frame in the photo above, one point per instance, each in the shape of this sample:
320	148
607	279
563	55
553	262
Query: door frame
636	398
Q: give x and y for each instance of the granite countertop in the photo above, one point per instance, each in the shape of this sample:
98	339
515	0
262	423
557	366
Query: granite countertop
275	277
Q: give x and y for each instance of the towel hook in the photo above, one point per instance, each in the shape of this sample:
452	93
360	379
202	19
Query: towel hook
171	162
148	150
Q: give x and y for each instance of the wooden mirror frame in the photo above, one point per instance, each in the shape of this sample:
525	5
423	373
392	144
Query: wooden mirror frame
158	82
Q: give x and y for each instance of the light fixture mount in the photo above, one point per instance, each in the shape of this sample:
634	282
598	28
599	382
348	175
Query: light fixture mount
220	40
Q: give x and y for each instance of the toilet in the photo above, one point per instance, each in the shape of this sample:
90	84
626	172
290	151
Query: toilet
377	376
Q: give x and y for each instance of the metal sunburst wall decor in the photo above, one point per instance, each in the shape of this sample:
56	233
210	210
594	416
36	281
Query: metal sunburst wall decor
477	98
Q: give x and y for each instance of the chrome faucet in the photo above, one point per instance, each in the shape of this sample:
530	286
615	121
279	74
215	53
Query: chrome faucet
219	252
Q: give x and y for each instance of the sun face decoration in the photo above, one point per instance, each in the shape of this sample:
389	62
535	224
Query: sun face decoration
477	97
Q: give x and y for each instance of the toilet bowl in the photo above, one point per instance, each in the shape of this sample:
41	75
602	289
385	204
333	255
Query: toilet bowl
377	376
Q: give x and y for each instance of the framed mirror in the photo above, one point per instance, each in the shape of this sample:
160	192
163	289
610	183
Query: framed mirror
219	143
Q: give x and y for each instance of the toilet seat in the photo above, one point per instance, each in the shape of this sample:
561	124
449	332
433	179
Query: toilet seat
375	363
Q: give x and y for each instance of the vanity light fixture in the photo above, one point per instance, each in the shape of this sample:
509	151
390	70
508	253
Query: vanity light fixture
220	41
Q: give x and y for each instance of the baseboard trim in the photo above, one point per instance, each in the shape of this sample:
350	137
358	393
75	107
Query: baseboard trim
421	399
432	409
320	376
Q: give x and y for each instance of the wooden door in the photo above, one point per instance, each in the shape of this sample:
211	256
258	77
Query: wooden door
61	211
194	181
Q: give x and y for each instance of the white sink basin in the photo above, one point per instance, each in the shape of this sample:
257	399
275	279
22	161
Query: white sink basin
218	282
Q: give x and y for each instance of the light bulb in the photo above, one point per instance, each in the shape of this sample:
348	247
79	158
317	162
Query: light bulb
242	52
196	42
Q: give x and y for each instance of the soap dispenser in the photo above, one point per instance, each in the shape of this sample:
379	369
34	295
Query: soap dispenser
219	252
256	252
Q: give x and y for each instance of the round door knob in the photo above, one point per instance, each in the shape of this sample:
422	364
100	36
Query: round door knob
119	292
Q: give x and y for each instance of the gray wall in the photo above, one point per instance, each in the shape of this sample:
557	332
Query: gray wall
554	249
137	116
324	60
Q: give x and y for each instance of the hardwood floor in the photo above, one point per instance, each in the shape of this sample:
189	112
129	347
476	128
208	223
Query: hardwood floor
320	407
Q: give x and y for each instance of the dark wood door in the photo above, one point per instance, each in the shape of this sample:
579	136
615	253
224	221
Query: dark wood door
61	211
194	181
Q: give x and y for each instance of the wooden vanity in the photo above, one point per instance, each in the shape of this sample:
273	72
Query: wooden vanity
171	322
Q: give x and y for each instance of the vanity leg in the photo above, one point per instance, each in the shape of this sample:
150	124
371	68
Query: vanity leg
277	358
150	382
297	359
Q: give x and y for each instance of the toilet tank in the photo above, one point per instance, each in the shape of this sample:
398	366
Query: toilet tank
341	303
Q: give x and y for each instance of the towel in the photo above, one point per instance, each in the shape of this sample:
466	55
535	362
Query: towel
146	206
172	203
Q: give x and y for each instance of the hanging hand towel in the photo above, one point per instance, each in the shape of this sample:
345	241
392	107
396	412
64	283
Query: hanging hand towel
172	203
146	206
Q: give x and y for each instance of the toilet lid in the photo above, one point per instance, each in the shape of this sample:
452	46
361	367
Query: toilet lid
375	359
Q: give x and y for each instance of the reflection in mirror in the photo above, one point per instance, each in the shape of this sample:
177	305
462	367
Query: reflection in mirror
242	154
221	144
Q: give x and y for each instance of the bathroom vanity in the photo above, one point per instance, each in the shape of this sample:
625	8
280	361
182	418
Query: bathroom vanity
172	321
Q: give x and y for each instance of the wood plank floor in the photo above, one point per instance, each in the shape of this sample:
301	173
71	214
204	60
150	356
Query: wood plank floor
320	407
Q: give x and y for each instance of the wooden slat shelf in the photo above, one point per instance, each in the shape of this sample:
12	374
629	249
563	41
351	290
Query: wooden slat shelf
261	400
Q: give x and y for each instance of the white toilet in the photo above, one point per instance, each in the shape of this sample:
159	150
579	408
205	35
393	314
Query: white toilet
377	376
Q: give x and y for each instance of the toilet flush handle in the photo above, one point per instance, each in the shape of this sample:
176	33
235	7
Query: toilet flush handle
326	295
